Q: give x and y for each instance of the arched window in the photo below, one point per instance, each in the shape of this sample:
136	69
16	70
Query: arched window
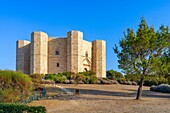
86	54
85	69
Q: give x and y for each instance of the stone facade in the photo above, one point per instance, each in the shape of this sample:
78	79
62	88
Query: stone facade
48	55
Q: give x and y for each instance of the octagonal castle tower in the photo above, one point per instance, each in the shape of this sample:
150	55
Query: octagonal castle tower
49	55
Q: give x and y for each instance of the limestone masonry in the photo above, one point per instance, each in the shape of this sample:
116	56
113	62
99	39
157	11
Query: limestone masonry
49	55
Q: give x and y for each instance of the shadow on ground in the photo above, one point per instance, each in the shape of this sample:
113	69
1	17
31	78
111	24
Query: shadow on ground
128	93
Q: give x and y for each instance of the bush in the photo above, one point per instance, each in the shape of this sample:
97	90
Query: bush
77	78
50	76
37	80
14	86
60	79
122	80
90	80
19	108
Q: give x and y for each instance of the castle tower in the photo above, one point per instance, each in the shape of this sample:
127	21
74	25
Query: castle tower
23	56
39	53
74	50
99	58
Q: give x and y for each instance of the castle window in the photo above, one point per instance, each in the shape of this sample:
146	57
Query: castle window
58	64
86	54
57	52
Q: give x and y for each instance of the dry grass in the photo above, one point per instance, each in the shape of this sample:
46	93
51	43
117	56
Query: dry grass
107	99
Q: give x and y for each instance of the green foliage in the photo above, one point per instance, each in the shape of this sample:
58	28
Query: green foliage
155	80
142	52
90	80
77	77
133	77
19	108
114	75
68	74
14	86
50	76
60	79
89	77
122	80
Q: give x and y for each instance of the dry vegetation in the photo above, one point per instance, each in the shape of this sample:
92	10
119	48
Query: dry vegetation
106	99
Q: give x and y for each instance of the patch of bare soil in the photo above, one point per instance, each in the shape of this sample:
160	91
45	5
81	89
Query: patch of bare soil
106	99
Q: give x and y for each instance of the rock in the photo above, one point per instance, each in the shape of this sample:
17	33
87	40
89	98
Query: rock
67	81
104	81
161	88
128	83
80	82
47	81
114	81
134	83
72	81
98	82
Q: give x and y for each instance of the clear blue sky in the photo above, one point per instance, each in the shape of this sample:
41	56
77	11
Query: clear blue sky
98	19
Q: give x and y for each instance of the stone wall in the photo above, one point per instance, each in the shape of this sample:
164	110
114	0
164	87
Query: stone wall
39	53
99	58
85	61
60	45
75	54
74	49
23	56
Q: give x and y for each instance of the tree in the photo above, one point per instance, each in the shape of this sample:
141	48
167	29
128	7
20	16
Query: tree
112	74
141	51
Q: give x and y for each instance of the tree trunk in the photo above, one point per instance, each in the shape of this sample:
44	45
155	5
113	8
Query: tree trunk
139	93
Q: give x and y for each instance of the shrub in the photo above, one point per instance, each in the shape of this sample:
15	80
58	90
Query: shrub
122	80
68	74
90	80
37	80
19	108
14	84
50	76
60	79
77	77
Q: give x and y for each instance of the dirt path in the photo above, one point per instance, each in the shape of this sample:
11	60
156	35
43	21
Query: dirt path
107	99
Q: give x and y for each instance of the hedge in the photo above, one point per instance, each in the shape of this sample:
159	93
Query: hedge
20	108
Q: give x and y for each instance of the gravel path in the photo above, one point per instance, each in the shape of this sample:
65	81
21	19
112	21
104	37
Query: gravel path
107	99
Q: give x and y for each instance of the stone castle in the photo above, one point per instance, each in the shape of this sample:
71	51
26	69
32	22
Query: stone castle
49	55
